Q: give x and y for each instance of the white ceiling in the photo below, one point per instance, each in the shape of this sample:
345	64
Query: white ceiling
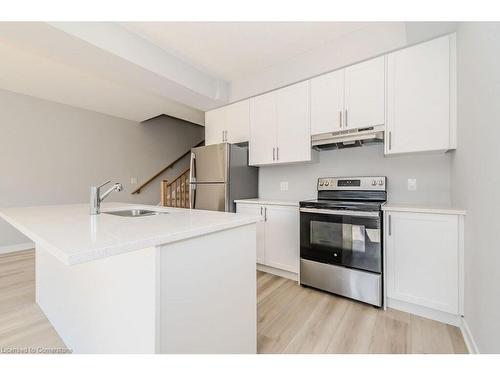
231	50
139	70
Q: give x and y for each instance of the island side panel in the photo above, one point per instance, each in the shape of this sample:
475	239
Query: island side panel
102	306
208	293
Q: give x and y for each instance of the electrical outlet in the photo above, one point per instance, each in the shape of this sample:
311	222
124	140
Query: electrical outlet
133	180
284	185
412	184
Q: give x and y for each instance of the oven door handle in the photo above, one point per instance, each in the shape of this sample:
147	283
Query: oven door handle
341	212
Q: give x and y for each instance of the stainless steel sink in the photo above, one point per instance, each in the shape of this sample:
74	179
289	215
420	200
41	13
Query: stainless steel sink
135	212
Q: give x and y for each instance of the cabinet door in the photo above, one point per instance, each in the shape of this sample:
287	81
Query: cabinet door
422	260
262	141
282	237
215	122
238	122
327	102
256	210
418	98
293	124
365	94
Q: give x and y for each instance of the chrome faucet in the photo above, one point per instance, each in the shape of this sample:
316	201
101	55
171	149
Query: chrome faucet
96	197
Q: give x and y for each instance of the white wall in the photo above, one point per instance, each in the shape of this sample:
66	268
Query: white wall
431	171
476	176
365	43
51	153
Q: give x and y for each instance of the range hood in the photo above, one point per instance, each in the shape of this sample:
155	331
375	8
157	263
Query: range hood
348	138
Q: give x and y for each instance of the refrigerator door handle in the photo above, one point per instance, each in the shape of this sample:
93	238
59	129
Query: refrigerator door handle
192	168
192	180
192	195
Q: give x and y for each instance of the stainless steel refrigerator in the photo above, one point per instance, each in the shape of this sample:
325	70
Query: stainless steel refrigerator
219	174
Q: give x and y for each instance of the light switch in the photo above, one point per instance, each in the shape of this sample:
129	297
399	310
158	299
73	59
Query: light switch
284	185
412	184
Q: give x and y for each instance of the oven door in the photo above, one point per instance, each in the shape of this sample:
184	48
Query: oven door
349	238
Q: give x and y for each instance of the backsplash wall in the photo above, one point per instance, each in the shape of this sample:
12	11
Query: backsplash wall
432	172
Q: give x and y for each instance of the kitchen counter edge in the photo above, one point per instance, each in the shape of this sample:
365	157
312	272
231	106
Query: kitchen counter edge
268	202
402	207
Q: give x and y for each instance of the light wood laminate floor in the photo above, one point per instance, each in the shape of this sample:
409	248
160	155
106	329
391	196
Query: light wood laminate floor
291	319
296	319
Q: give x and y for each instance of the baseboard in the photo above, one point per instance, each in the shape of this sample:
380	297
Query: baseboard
18	247
440	316
278	272
467	335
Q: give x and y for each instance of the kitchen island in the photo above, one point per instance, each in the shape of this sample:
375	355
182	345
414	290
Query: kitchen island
178	281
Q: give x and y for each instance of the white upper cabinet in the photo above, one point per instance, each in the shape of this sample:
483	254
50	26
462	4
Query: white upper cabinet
365	94
262	144
293	124
327	102
228	124
349	98
421	94
280	128
215	122
238	122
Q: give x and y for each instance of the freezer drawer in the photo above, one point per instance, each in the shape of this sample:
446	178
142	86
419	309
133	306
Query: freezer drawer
209	196
360	285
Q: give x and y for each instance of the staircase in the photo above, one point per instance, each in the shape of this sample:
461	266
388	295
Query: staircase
176	193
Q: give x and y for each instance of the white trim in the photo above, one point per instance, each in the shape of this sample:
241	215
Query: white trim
453	91
468	338
19	247
275	271
461	265
440	316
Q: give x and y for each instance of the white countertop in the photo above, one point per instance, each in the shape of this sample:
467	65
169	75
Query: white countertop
73	236
268	201
403	207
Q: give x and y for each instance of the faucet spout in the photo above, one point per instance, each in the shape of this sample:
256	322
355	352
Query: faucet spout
115	187
96	197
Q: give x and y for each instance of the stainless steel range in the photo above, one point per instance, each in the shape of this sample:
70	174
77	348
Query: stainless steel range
341	237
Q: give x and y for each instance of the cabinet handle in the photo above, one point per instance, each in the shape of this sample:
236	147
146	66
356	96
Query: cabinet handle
260	210
265	213
345	118
340	119
274	158
390	225
390	140
277	153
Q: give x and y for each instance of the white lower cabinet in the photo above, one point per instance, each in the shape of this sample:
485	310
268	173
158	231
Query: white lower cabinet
277	235
255	209
424	263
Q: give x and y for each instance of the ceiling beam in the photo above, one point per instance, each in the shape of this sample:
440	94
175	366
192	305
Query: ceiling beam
163	73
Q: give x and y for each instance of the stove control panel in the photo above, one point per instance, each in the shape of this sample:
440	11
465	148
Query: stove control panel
352	183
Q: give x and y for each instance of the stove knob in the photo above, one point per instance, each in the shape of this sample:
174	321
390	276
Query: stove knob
374	182
327	183
321	183
380	182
